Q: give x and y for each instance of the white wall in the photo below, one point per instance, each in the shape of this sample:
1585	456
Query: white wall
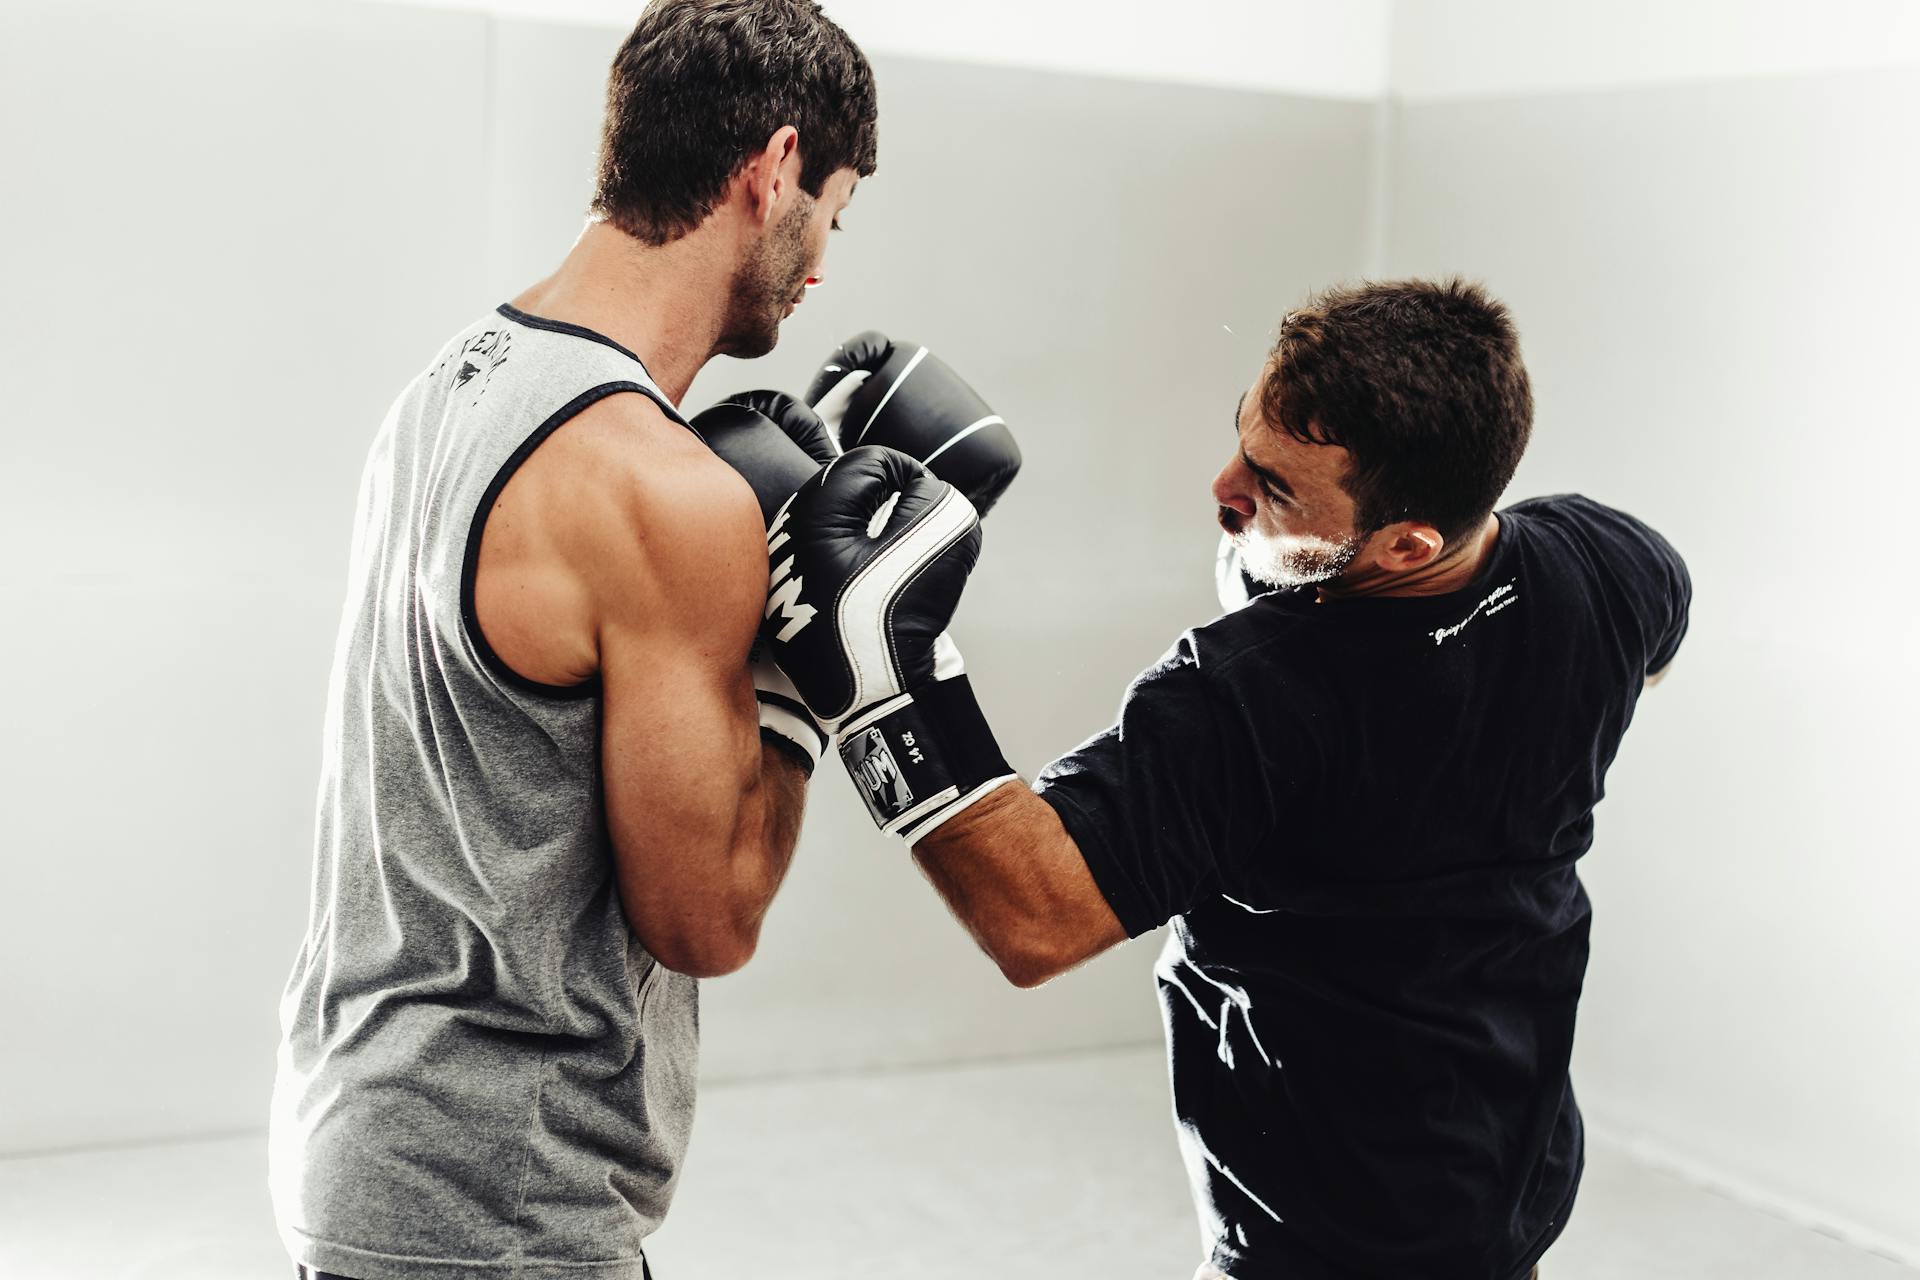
1716	288
220	262
1481	48
1279	46
1359	49
247	225
1714	282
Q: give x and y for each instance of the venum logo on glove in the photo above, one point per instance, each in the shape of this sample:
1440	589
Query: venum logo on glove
871	763
783	592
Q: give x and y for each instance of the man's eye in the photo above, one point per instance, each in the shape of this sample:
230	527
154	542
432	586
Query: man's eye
836	224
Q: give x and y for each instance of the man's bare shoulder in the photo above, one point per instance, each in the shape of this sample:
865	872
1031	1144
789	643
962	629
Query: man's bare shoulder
630	434
644	512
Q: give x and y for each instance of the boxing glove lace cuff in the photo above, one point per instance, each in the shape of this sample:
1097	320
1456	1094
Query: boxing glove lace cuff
784	718
792	749
923	756
794	730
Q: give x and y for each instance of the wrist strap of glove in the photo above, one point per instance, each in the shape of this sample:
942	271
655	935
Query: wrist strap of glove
922	757
784	718
794	749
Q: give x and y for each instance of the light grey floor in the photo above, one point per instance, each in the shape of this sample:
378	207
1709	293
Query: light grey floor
1057	1168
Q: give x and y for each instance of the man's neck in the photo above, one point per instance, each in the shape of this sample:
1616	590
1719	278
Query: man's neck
1450	572
665	303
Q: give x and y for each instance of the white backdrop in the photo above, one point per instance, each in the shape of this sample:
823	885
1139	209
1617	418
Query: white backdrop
233	229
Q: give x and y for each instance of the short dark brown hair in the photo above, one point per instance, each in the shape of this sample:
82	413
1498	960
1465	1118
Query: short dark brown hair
1421	382
700	84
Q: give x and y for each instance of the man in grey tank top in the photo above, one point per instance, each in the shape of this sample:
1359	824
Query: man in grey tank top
550	799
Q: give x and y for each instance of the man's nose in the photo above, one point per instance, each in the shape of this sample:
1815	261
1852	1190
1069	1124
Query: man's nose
1230	488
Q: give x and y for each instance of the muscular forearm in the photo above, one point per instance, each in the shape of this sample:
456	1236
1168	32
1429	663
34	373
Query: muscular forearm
1014	878
761	864
703	918
785	782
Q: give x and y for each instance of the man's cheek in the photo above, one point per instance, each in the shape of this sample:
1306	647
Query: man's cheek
1274	524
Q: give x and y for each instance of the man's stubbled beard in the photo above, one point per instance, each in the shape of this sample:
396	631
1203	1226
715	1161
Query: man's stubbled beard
765	284
1291	560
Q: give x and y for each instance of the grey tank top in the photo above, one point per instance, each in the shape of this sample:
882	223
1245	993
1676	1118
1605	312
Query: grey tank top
481	1071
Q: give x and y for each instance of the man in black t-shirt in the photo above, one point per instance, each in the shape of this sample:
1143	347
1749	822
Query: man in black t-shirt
1360	800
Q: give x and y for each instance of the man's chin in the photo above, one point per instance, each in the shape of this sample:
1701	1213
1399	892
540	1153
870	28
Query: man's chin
749	346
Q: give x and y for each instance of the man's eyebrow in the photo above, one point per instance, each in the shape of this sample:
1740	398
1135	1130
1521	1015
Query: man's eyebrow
1271	477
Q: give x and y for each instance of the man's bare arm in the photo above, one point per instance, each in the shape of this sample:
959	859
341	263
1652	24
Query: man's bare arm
703	814
1015	879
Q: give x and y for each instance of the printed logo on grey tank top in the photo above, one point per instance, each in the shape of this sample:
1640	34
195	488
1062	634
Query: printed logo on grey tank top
481	1071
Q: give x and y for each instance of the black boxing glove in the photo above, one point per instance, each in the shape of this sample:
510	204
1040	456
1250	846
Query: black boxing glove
777	443
869	559
901	396
873	390
770	438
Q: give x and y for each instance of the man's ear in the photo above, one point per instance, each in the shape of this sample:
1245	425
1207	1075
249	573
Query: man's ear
1411	545
771	172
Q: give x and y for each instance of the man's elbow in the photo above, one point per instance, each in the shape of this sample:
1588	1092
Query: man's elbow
704	956
1028	976
1031	959
701	939
703	930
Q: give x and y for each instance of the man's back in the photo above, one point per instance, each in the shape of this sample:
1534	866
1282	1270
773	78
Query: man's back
1370	1000
553	794
481	1059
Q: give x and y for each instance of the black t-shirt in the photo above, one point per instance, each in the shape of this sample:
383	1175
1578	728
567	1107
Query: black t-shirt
1362	818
